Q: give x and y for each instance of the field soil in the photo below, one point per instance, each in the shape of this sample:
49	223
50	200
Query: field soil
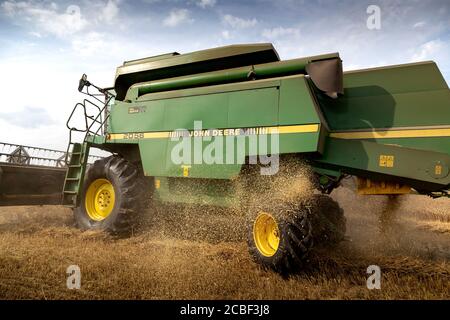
201	253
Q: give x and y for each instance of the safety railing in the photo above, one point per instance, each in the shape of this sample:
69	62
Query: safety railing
93	124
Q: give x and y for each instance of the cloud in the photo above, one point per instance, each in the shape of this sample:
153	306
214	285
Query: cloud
89	44
177	17
28	118
239	23
11	8
419	24
110	11
429	50
280	32
35	34
47	19
226	34
206	3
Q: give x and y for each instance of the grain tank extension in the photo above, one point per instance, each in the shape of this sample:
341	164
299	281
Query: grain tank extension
389	127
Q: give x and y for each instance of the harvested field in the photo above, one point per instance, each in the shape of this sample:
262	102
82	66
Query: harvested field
200	253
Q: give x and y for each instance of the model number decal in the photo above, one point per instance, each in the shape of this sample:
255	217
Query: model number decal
133	136
132	110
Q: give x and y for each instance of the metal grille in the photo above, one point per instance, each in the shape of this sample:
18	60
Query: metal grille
33	156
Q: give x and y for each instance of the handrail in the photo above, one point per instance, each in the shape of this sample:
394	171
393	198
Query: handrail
100	119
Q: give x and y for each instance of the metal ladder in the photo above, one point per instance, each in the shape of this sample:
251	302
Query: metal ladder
76	169
78	152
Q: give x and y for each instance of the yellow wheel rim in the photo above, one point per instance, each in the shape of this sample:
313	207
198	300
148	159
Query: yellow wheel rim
100	199
266	234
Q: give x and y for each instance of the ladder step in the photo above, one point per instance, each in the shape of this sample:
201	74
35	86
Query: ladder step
72	179
74	165
70	192
76	148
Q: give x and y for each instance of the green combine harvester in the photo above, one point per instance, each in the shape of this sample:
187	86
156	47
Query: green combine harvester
195	128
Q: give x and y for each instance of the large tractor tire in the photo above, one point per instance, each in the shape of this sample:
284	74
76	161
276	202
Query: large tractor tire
279	236
113	198
328	221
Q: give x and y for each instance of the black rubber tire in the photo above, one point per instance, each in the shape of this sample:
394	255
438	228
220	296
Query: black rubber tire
328	220
296	238
132	196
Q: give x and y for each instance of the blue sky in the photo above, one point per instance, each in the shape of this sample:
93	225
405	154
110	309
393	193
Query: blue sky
46	45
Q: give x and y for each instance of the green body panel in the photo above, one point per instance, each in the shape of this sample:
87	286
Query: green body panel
411	166
261	103
380	104
436	144
213	108
398	96
153	154
296	102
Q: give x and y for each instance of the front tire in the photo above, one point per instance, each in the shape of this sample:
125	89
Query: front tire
113	197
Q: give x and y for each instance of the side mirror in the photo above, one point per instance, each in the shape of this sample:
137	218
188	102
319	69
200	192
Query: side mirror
83	82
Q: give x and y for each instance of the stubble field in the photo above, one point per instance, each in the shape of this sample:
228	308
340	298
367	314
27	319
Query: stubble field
201	253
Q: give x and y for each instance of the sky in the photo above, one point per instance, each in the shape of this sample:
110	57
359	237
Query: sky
45	46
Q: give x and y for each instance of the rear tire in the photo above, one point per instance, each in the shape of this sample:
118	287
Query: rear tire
114	196
279	236
328	220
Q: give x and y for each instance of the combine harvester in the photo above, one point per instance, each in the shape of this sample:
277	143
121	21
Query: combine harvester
388	126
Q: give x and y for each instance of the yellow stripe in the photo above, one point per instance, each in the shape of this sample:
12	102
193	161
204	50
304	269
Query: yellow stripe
390	134
296	129
156	135
307	128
